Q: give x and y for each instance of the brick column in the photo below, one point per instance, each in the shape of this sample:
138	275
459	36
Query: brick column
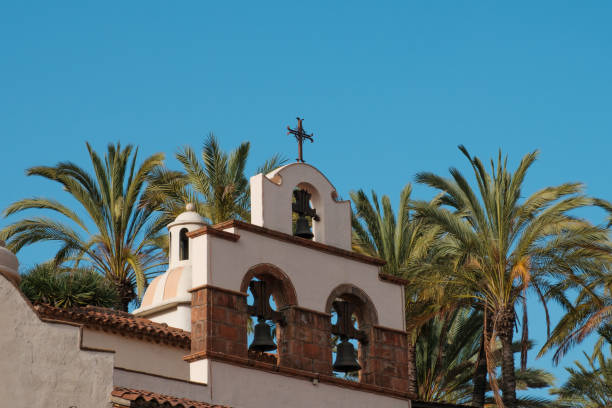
385	359
218	321
305	342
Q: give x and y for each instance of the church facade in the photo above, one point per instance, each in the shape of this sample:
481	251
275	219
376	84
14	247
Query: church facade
271	313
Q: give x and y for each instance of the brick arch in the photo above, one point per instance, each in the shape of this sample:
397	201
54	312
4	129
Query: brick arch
276	280
366	312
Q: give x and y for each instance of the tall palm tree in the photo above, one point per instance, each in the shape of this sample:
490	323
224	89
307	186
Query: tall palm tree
587	386
217	186
446	348
401	241
116	237
591	310
505	246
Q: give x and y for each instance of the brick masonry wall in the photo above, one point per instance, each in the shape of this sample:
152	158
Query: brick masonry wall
218	321
305	341
386	359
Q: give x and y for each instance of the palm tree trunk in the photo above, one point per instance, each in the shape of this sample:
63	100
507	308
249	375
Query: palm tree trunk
480	376
412	371
508	383
126	295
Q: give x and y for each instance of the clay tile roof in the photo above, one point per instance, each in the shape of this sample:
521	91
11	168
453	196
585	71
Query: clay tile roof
117	322
140	398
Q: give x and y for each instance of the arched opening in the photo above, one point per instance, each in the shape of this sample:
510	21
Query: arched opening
352	316
269	292
262	334
183	245
169	245
304	211
349	354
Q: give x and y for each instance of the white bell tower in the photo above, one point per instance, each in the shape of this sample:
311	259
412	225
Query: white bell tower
167	299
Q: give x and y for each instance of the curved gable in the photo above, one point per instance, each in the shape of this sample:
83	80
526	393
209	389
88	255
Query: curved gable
271	196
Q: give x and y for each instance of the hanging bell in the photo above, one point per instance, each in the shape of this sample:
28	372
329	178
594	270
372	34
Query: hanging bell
302	229
345	358
262	340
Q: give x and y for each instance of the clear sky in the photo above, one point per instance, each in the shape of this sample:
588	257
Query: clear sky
388	88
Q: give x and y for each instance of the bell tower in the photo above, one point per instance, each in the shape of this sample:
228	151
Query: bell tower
304	282
167	299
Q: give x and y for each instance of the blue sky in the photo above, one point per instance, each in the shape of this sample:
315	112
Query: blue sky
388	88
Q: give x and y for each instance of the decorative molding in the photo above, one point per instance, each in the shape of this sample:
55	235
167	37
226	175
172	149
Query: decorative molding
217	288
298	241
208	230
393	279
296	373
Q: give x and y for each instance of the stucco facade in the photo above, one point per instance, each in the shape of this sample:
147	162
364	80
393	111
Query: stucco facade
43	364
187	345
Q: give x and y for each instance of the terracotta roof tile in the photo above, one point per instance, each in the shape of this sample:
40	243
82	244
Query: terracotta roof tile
118	322
140	398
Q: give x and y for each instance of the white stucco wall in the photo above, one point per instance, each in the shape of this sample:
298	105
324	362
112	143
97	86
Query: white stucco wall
271	196
173	314
314	274
242	387
42	364
161	385
140	355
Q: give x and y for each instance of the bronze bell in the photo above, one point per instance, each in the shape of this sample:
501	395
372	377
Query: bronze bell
262	340
302	229
346	360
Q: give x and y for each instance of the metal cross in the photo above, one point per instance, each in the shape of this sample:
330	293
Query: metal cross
344	325
261	303
300	136
302	204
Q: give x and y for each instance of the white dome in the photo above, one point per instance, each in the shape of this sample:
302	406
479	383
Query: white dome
167	298
188	217
9	264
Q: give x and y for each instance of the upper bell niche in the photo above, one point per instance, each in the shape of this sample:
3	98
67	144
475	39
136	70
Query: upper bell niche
271	203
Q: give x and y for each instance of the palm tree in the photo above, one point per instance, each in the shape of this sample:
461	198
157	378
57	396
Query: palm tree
591	310
117	238
588	386
445	352
66	288
217	187
447	348
401	242
505	246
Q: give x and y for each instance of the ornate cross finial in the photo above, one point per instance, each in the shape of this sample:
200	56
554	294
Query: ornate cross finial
302	205
344	325
261	303
300	136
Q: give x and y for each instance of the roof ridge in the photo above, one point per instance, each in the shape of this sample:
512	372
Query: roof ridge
136	395
122	322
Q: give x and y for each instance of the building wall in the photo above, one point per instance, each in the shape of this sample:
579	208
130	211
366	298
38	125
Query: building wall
42	364
140	355
314	274
271	196
241	387
161	385
173	314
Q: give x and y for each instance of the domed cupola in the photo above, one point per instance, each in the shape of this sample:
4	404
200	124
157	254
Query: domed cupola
9	265
179	242
167	298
